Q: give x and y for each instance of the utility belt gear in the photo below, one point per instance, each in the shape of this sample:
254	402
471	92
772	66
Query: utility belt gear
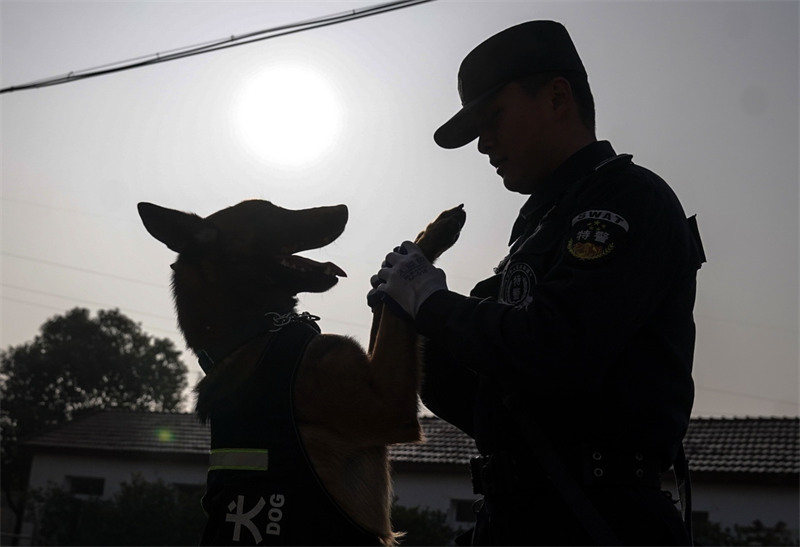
505	473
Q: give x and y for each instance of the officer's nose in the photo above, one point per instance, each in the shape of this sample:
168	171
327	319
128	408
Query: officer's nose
484	142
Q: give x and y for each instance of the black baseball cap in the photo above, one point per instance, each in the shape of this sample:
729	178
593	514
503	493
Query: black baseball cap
519	51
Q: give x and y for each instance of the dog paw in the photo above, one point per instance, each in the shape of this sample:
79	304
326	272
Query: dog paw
442	233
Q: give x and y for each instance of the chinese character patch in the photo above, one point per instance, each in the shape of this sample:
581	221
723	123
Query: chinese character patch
596	234
517	285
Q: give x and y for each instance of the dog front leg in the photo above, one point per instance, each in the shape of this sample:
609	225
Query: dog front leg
393	347
377	311
394	360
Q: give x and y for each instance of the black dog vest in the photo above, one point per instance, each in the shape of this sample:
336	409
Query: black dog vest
261	487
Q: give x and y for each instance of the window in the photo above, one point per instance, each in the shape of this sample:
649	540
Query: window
86	486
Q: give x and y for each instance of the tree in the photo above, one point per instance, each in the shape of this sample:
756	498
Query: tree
422	526
712	533
76	364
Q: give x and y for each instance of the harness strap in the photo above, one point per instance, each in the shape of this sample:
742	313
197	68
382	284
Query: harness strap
209	356
240	459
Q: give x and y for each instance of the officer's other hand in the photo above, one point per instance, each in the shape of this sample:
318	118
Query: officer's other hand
405	280
373	298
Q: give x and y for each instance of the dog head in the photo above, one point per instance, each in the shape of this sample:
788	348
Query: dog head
241	261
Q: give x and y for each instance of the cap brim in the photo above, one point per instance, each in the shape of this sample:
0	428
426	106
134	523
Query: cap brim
459	130
463	128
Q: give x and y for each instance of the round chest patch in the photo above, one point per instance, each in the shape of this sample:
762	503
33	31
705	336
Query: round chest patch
517	287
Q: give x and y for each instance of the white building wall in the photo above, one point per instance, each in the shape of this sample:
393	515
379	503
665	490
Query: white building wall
55	468
727	503
431	491
742	504
436	492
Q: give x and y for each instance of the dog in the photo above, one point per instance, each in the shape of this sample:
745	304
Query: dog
300	421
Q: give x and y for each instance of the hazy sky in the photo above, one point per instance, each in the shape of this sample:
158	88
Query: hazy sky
703	93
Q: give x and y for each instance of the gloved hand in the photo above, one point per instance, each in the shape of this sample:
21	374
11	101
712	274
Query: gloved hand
406	279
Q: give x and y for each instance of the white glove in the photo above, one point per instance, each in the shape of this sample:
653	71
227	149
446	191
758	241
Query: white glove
407	279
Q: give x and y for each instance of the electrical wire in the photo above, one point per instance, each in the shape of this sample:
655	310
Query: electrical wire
746	395
81	300
120	278
84	270
172	333
216	45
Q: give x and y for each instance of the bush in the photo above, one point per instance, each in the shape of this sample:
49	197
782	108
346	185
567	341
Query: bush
141	513
422	526
712	533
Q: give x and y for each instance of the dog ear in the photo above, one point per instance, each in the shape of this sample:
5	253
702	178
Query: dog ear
175	229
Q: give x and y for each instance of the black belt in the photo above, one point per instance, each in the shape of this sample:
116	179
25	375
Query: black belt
620	468
506	473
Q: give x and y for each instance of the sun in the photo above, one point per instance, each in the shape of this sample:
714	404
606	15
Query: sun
288	114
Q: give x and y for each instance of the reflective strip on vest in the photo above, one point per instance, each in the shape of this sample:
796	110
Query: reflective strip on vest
246	459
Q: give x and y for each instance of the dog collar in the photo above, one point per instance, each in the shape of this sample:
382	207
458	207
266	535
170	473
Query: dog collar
269	322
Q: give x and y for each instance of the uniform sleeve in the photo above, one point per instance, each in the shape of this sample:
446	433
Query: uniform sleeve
448	390
620	252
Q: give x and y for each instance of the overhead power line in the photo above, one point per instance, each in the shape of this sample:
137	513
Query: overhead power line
85	270
171	332
216	45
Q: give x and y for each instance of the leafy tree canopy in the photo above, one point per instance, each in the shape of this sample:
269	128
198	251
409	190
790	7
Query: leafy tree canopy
78	363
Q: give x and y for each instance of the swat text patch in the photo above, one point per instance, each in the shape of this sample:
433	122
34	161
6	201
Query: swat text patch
596	234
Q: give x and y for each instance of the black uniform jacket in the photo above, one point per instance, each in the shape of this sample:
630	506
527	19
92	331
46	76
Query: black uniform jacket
589	318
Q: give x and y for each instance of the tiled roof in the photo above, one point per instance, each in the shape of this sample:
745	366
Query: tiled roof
128	431
444	444
752	446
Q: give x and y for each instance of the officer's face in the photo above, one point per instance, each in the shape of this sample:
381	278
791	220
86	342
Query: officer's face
517	133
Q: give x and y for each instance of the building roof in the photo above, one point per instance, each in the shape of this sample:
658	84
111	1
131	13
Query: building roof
755	446
444	444
126	431
739	446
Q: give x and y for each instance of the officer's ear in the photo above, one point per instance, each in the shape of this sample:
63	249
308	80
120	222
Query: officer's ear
560	92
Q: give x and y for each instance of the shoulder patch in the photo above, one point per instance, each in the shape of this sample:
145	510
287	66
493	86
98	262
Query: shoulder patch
596	234
606	216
